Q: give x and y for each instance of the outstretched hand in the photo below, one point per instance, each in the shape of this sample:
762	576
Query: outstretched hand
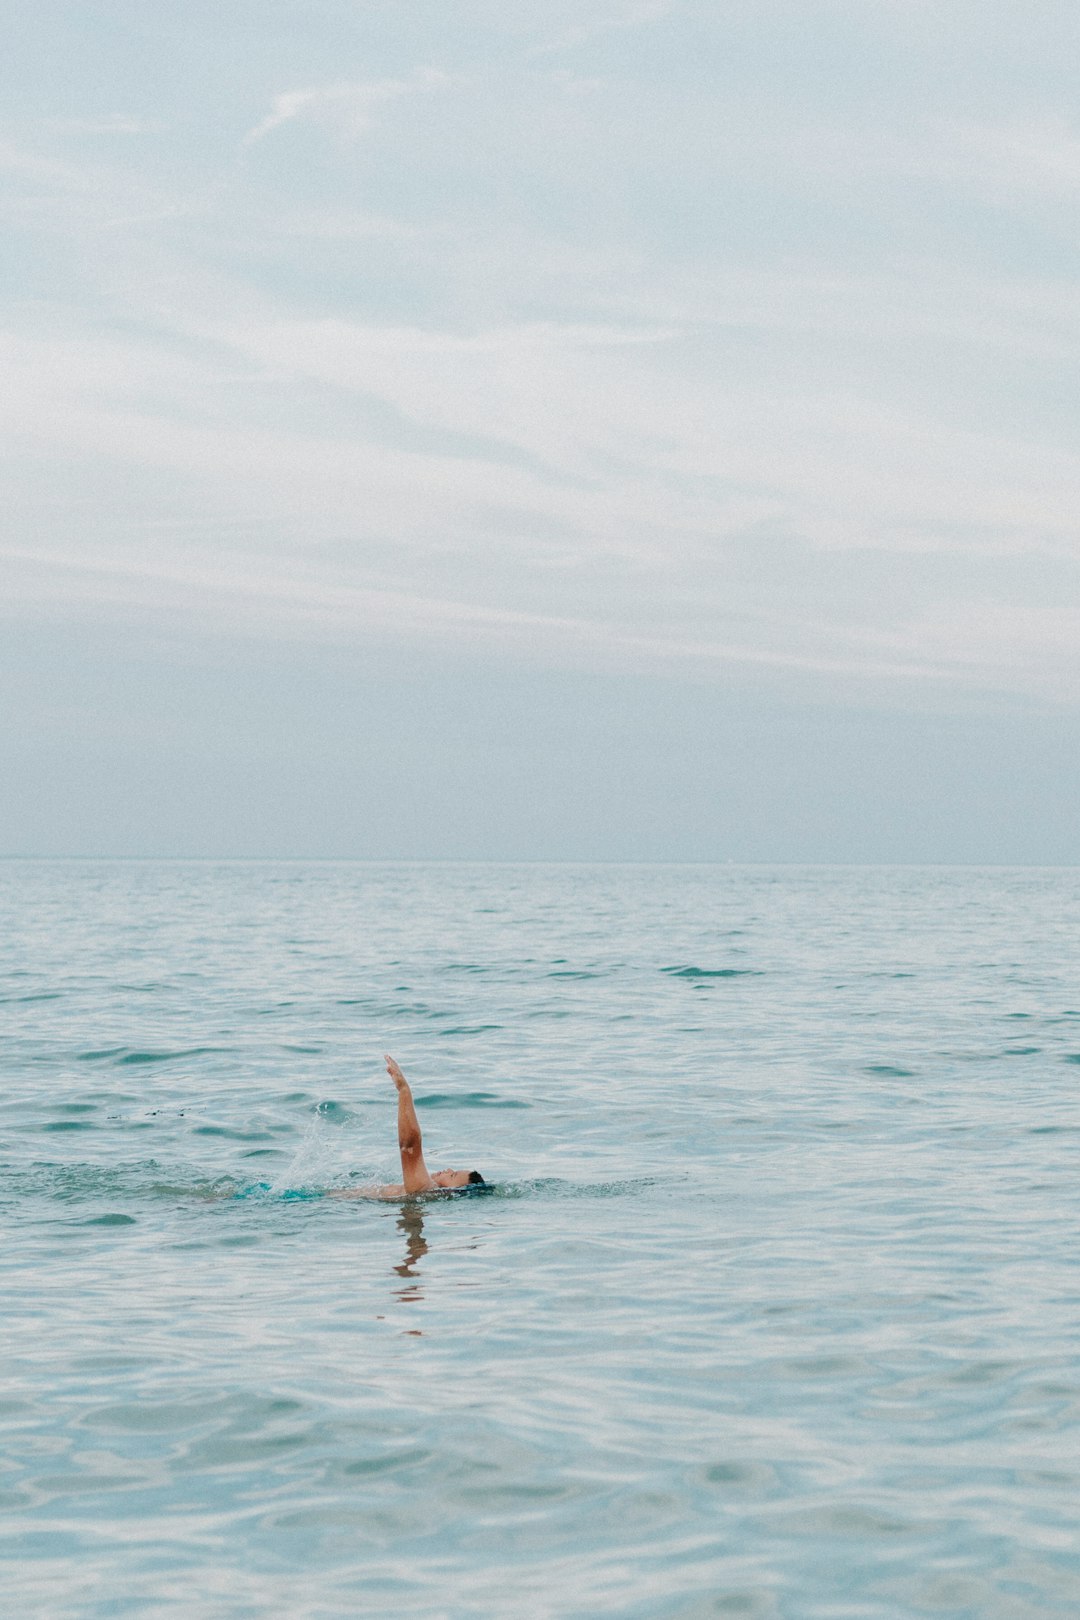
394	1072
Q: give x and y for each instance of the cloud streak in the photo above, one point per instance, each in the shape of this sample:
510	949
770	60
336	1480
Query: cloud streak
346	109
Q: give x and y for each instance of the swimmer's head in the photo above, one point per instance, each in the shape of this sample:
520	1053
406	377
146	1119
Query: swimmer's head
458	1178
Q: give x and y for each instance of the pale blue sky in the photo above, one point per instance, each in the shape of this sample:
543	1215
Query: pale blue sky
620	430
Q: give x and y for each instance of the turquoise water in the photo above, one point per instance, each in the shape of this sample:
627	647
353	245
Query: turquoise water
774	1310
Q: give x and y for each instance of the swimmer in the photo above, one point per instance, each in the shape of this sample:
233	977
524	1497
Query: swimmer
416	1177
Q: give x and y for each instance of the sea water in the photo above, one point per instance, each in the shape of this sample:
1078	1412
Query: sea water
774	1309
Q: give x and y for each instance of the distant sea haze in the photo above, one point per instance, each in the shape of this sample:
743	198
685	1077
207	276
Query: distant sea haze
770	1311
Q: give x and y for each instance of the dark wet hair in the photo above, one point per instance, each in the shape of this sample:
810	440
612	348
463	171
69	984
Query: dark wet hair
476	1179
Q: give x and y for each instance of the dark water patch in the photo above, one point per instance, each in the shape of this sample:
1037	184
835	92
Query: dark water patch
468	1099
176	1417
231	1134
1072	1057
576	973
69	1125
265	1153
397	1009
303	1050
741	1474
691	972
40	995
114	1219
134	1059
128	1057
1021	1051
889	1070
848	1522
814	1367
76	1108
1053	1130
413	1457
472	1029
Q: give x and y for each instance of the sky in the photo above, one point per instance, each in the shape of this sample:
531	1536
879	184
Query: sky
588	430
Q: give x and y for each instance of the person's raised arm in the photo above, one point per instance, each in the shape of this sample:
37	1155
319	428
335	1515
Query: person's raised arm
414	1172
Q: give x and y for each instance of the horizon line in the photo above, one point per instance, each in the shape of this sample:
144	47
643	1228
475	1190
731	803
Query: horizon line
527	860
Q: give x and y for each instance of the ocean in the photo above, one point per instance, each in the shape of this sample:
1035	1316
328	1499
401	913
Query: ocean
772	1310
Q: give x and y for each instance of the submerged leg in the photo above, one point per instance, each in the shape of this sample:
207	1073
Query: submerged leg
414	1172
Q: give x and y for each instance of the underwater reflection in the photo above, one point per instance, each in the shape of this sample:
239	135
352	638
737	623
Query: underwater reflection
411	1222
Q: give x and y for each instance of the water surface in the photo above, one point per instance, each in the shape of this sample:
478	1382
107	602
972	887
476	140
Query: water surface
774	1310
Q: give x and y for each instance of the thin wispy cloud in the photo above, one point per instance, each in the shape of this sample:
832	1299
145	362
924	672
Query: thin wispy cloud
347	109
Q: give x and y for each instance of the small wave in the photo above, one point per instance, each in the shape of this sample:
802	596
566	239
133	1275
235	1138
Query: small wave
472	1029
891	1070
134	1058
712	973
231	1134
468	1099
125	1056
